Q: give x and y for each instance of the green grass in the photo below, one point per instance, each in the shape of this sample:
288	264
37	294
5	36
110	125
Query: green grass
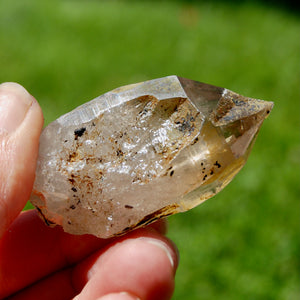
244	243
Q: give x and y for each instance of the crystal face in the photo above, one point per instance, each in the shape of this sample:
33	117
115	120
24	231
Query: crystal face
142	152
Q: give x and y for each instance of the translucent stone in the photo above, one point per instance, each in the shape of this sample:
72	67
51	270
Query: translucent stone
142	152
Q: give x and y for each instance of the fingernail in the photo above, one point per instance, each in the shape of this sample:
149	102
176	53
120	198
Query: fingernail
162	246
14	104
119	296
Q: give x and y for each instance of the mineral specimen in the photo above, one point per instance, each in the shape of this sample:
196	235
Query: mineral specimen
142	152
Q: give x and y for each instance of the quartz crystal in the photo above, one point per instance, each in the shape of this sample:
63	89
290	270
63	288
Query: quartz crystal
142	152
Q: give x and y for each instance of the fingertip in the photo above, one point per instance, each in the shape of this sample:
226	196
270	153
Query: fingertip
143	263
13	87
163	246
21	121
15	102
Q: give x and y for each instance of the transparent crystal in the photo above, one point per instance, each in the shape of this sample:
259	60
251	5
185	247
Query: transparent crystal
142	152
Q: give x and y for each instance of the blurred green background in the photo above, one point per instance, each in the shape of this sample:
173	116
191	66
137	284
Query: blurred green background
244	243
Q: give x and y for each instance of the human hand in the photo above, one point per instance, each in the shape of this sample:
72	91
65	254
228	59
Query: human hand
38	262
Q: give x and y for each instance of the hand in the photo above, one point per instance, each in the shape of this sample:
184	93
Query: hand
38	262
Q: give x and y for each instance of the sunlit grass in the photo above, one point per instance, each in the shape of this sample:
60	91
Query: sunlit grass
244	243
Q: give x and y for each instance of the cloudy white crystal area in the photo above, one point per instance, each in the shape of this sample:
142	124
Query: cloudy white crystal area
142	152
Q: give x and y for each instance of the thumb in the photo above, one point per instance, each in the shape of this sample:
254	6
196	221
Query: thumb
21	121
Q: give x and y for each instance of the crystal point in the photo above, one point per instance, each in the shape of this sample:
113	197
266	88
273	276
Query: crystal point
142	152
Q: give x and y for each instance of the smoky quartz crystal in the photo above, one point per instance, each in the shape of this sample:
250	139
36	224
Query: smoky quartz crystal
142	152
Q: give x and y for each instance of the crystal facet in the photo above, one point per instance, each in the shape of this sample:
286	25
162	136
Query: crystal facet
142	152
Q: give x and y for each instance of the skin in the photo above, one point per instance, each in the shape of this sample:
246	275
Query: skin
38	262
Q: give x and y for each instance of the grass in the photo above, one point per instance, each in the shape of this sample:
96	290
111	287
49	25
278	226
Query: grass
244	243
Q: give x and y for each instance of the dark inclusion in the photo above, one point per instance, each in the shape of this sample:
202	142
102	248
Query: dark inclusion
79	132
217	164
128	206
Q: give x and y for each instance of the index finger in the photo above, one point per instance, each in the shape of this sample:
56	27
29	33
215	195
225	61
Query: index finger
30	250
